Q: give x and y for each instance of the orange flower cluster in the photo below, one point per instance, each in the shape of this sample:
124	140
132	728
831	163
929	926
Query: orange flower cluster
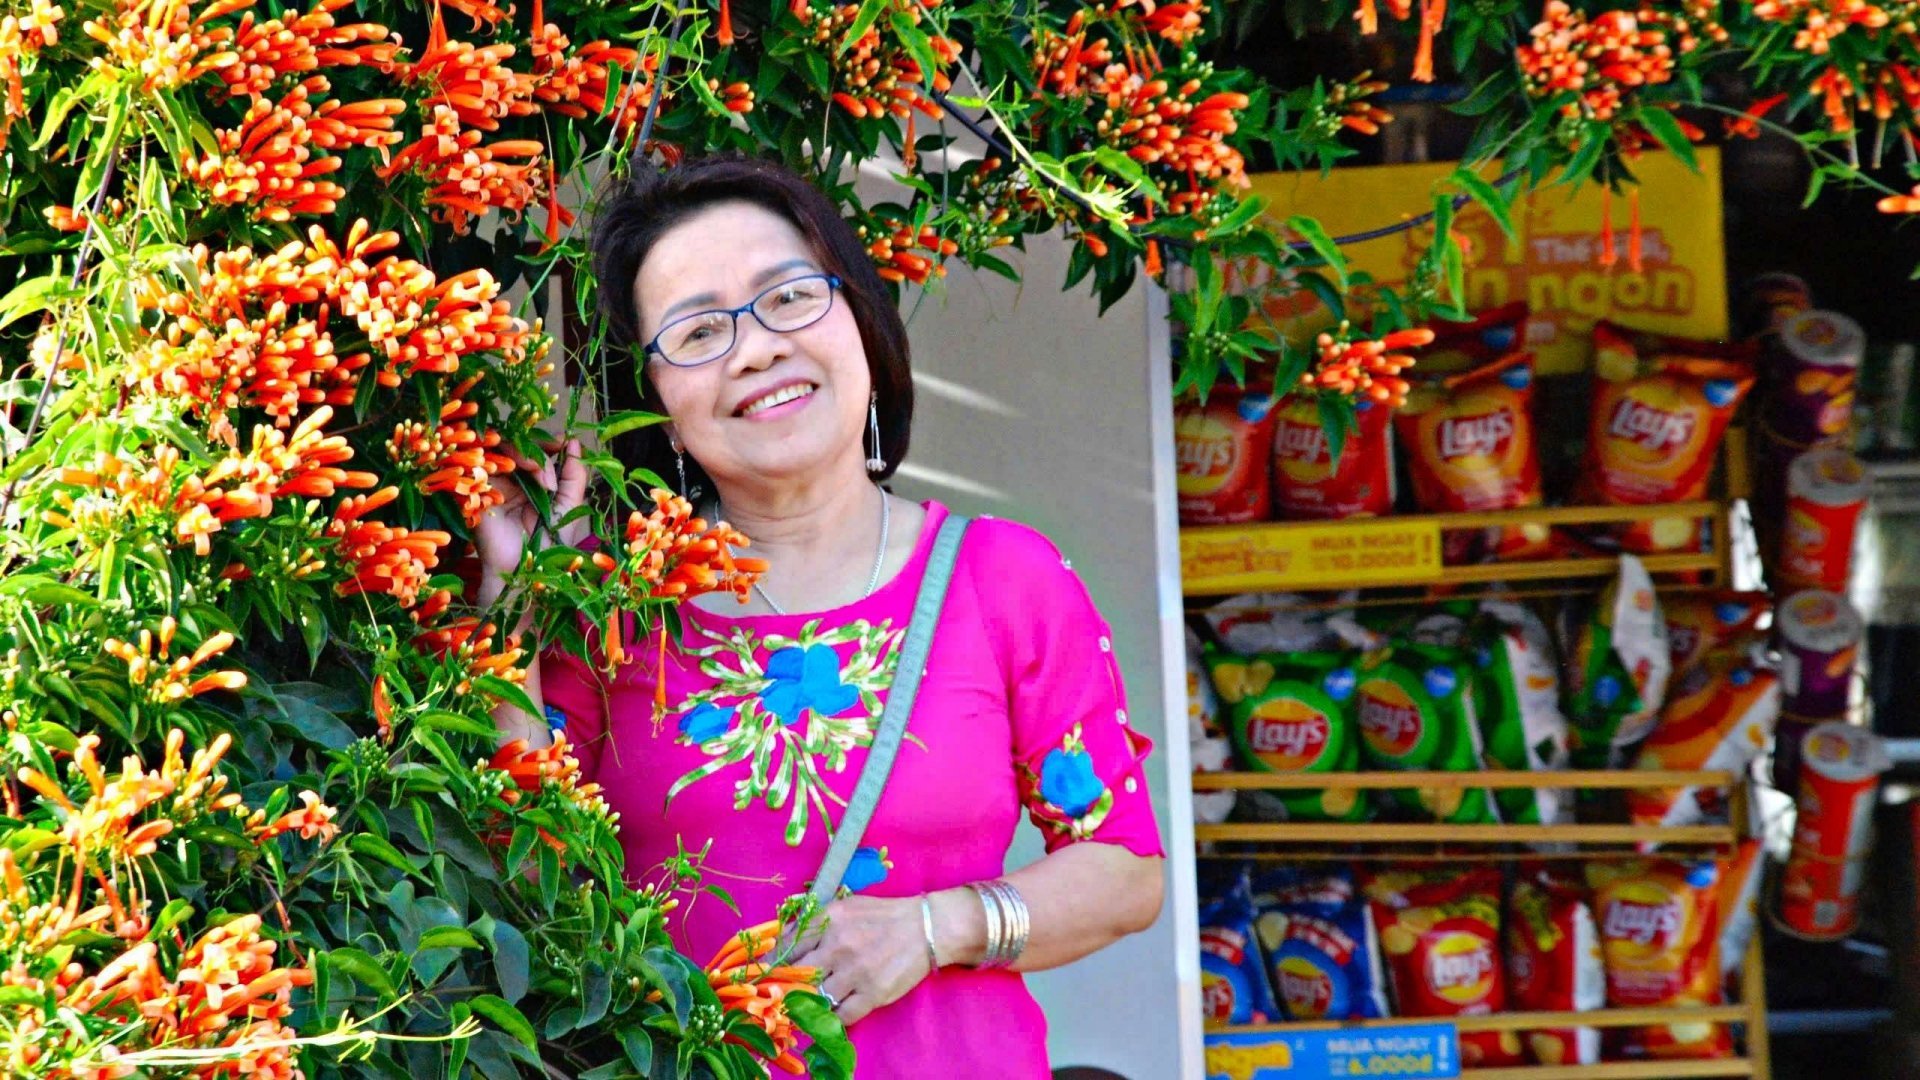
467	641
160	45
1364	369
674	554
750	986
1601	59
553	768
469	80
576	85
269	162
467	178
1347	107
21	38
452	458
878	79
313	821
1821	21
894	251
172	684
1064	62
1901	204
1157	127
383	559
272	49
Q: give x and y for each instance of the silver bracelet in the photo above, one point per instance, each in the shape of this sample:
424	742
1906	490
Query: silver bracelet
1019	921
996	932
926	927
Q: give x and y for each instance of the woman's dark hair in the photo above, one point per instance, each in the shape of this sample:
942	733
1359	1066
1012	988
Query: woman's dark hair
637	212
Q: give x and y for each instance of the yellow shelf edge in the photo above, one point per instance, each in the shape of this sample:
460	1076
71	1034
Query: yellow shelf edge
1523	1021
1361	832
1619	1070
1492	779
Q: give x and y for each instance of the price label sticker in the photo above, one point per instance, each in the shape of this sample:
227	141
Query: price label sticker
1422	1051
1320	555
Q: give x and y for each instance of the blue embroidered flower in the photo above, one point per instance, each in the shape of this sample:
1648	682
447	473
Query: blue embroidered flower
868	867
705	721
806	679
1067	781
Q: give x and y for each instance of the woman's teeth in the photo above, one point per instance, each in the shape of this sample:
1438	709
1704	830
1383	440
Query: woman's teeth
778	397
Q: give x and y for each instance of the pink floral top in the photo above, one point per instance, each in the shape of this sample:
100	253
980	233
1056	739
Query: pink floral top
765	734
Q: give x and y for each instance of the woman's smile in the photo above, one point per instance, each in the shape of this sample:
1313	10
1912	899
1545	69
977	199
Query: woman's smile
784	400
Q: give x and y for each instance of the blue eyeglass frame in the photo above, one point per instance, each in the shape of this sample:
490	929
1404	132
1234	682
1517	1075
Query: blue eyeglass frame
653	346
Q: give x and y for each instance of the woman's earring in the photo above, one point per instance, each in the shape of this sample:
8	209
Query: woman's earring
680	465
875	463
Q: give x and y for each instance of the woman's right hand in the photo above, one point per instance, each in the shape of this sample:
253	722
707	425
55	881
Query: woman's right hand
502	535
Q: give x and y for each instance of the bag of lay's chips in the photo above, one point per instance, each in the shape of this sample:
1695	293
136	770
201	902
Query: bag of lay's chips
1415	710
1292	714
1440	931
1618	664
1309	485
1660	938
1221	449
1233	976
1702	622
1470	446
1321	949
1458	346
1719	716
1517	702
1660	407
1553	964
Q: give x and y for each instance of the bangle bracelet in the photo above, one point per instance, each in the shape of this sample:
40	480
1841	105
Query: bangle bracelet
996	934
926	927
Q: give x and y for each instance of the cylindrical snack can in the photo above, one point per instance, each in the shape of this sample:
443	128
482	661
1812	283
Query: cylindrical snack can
1839	782
1810	394
1819	642
1769	300
1826	490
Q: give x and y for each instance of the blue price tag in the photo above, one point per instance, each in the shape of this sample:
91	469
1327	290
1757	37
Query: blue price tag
1422	1051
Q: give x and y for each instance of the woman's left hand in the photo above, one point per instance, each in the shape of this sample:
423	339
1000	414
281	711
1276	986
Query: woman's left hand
872	951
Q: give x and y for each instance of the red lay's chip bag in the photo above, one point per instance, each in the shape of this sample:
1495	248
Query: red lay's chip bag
1220	454
1308	485
1660	939
1701	622
1553	964
1469	441
1718	717
1458	346
1660	408
1440	931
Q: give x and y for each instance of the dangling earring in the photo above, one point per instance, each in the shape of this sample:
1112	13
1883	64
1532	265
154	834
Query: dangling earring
680	466
876	463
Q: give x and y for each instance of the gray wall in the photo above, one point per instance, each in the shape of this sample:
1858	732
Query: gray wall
1031	405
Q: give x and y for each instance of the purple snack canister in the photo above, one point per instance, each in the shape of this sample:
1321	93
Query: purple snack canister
1819	635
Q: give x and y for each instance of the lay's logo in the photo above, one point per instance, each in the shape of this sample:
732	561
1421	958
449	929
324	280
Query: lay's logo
1288	735
1296	442
1484	436
1646	925
1216	996
1306	989
1655	430
1460	967
1204	448
1389	718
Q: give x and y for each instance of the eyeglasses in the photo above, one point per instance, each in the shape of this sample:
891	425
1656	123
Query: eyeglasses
705	336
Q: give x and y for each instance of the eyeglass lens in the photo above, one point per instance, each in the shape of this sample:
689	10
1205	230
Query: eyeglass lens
708	335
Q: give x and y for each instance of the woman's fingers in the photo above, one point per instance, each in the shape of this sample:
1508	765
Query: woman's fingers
572	488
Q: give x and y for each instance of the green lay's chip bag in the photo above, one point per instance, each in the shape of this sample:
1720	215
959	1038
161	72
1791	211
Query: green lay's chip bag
1617	667
1291	714
1517	703
1414	705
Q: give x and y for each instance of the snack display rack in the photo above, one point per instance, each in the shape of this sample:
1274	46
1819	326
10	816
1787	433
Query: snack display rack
1296	556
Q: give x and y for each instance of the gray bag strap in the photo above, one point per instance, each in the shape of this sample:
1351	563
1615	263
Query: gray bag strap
893	719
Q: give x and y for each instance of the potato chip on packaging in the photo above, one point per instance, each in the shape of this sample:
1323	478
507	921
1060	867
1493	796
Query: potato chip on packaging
1554	964
1660	407
1440	931
1618	663
1321	948
1660	935
1469	441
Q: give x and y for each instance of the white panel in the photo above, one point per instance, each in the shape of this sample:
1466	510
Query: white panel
1031	405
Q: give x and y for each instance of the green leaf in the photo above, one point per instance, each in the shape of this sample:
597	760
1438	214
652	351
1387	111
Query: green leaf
862	21
599	995
507	1018
512	961
507	692
1664	127
831	1056
356	964
668	972
374	847
442	720
449	937
1316	237
620	423
1335	414
1485	194
638	1048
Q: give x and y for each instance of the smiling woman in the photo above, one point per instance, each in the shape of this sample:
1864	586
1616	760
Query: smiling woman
781	363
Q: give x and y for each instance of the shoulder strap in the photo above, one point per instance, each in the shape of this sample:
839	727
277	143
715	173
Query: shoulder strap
893	719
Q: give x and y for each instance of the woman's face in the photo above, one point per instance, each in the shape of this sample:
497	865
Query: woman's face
723	257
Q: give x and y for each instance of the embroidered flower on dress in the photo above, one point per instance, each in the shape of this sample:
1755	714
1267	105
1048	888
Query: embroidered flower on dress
1066	797
1067	781
705	722
867	868
806	679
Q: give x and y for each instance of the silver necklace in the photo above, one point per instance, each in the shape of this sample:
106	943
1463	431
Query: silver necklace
879	558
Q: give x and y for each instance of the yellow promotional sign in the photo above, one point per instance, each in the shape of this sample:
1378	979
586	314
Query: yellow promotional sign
1309	555
1552	263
